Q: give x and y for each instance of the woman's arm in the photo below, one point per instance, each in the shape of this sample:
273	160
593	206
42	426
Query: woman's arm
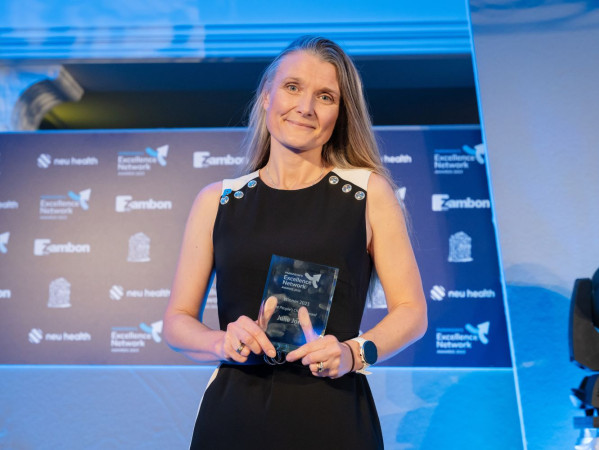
391	251
182	329
406	321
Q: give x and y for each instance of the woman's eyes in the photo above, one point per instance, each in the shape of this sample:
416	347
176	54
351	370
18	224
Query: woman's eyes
324	97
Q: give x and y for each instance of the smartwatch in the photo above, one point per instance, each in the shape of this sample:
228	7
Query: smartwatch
368	354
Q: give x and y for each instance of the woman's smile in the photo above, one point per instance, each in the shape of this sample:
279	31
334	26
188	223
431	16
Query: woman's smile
300	125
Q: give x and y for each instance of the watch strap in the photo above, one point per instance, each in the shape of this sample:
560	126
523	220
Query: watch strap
365	365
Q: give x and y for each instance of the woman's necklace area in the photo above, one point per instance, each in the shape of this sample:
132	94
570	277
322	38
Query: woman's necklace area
307	183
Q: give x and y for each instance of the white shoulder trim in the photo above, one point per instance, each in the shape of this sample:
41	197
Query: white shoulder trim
359	177
237	183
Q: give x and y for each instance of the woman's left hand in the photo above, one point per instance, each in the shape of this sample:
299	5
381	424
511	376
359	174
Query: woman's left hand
325	355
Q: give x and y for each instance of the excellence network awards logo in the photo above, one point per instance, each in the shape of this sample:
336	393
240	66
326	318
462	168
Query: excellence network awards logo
4	237
131	339
138	163
299	282
459	341
61	207
314	279
455	161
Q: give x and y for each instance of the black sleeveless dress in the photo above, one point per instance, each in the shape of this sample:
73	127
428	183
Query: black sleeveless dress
260	406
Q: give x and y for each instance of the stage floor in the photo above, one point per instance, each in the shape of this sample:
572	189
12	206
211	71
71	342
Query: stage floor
148	407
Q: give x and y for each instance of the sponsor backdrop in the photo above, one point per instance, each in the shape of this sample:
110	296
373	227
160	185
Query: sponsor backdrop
90	227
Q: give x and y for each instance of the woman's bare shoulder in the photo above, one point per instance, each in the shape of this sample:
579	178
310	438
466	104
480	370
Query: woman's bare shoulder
206	202
212	190
380	190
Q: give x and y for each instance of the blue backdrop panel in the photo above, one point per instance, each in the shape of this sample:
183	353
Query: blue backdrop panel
91	225
441	174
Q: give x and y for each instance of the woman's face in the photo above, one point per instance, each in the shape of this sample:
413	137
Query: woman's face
302	103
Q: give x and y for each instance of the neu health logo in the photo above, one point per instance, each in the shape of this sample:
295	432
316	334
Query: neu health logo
116	292
4	237
36	336
44	161
438	293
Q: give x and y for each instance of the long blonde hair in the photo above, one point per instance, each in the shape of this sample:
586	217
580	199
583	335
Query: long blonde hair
352	143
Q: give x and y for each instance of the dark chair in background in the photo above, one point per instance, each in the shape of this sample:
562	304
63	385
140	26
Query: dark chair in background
583	339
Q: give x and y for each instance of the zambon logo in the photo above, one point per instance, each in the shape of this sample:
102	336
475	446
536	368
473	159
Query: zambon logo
43	247
442	202
202	160
125	203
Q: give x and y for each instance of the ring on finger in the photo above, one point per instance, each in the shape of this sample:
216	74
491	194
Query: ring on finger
320	366
240	348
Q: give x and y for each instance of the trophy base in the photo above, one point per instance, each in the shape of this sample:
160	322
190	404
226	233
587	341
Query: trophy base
277	360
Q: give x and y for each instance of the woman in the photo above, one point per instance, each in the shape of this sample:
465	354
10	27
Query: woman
316	191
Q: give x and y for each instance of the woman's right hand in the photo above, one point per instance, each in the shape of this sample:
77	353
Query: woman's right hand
244	336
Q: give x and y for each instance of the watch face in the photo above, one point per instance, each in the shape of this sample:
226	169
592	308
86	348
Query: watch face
370	352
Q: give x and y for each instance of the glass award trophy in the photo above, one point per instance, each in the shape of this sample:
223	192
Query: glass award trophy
296	303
